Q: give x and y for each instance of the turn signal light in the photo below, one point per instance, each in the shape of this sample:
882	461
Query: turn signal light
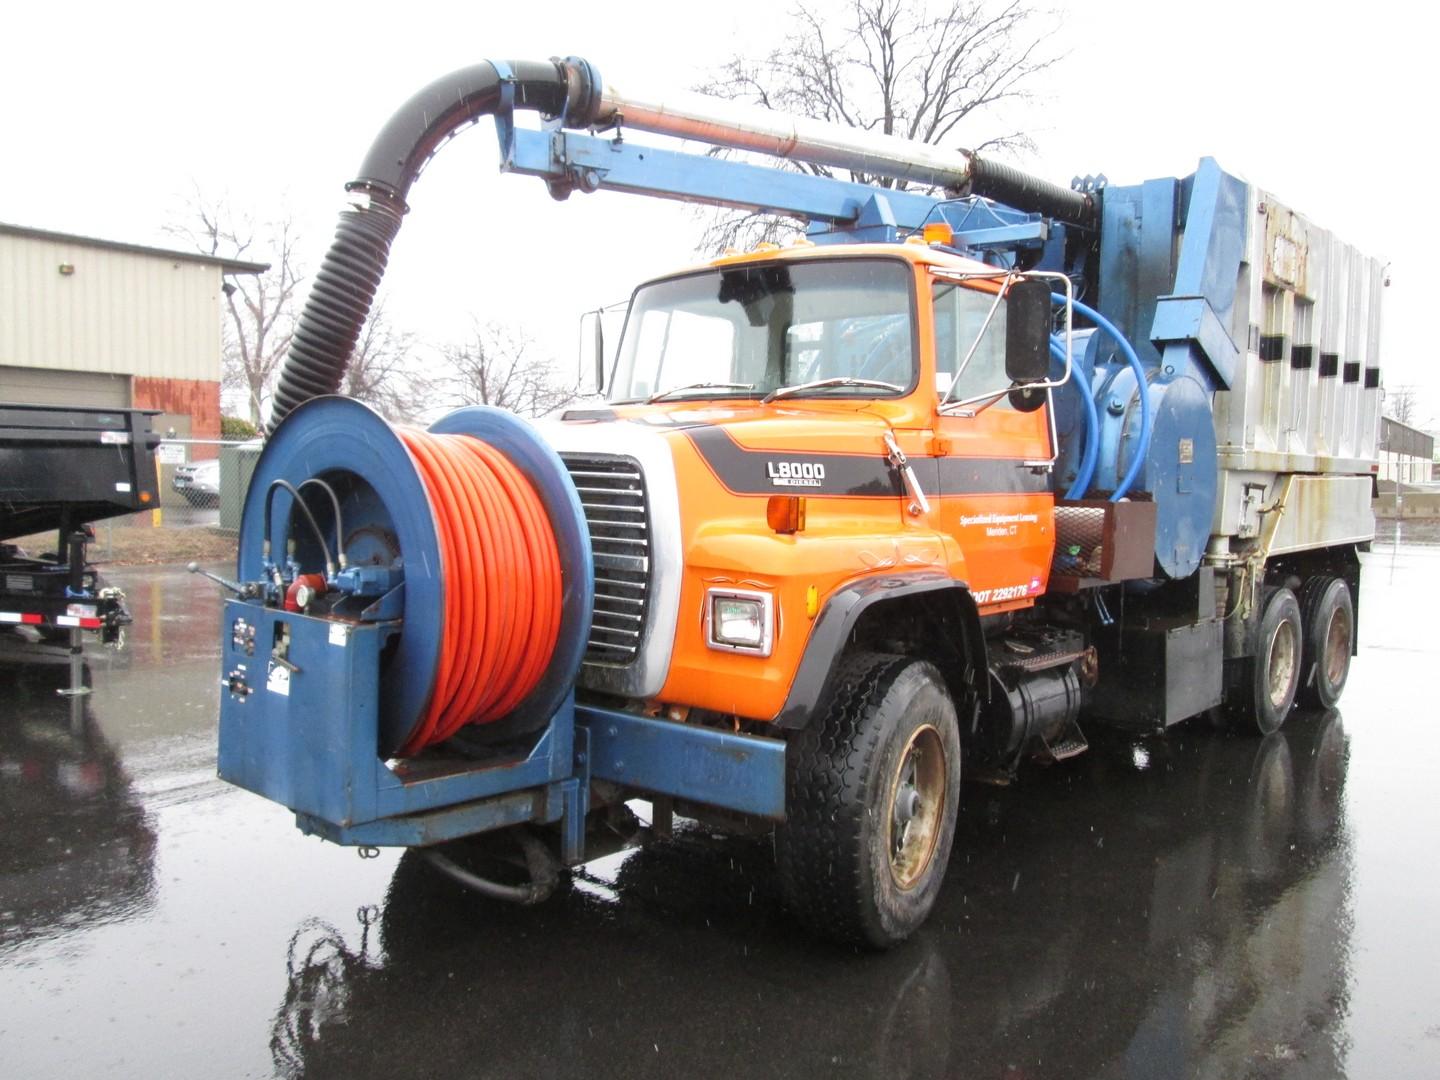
785	513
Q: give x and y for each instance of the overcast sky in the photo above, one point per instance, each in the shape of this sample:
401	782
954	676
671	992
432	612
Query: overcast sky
113	114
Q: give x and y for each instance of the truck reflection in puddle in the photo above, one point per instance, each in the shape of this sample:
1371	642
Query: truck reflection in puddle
1170	907
76	849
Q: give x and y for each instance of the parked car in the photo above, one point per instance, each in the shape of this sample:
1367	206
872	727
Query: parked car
199	482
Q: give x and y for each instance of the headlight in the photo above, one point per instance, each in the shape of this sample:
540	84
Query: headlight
740	621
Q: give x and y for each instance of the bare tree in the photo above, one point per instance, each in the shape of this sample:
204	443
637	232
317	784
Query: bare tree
913	68
499	366
261	308
1402	404
384	370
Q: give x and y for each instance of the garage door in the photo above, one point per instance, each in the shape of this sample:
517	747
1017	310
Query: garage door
45	386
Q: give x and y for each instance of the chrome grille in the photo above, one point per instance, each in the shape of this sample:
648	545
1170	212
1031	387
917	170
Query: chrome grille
612	493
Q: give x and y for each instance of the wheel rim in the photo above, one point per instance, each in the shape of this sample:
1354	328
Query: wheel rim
1337	646
917	804
1281	667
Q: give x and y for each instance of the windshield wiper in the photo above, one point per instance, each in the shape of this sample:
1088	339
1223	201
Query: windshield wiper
821	384
699	386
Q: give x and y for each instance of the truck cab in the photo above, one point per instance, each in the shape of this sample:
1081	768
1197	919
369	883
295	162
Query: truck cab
799	422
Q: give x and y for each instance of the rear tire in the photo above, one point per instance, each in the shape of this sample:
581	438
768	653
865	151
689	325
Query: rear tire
1271	677
1329	618
873	787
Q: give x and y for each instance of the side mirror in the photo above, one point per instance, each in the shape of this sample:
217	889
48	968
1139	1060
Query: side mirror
590	377
1027	332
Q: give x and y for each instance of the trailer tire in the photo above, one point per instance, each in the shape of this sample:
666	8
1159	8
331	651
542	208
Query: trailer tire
1271	678
1329	618
873	787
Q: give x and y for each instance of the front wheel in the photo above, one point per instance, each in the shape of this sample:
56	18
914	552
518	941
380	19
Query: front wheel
873	786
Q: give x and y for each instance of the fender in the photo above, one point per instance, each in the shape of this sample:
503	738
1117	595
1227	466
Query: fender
842	613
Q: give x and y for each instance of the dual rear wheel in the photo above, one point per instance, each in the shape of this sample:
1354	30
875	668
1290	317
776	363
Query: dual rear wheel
1302	652
1329	616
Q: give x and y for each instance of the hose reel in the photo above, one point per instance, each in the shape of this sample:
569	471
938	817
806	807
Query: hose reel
470	534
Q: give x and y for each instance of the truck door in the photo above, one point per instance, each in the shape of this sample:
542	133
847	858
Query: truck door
994	501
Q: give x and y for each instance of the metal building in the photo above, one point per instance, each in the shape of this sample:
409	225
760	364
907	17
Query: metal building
1406	453
85	321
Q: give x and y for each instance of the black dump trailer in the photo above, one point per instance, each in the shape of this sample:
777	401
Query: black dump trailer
62	468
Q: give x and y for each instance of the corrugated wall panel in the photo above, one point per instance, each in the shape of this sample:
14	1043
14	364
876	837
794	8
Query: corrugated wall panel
119	312
196	399
38	386
1305	288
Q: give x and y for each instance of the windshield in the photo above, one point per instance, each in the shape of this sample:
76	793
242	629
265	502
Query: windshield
748	331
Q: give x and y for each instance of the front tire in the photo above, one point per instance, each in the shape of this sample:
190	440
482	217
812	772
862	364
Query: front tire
873	787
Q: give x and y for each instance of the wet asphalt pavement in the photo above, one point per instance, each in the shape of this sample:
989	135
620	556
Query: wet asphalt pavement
1200	905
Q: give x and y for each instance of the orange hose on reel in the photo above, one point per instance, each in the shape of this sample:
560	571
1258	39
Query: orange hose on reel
502	587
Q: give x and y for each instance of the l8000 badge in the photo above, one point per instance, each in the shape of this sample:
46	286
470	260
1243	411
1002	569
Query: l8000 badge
795	473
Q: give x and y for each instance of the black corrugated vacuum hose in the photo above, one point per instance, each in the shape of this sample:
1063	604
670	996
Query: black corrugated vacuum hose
1007	184
345	286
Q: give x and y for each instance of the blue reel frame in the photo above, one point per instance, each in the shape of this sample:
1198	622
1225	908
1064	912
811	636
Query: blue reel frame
315	740
336	435
315	736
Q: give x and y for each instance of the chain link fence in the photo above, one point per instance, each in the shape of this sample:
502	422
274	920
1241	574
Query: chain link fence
202	484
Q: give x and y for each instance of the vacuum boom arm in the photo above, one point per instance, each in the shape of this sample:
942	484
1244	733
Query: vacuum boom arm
571	93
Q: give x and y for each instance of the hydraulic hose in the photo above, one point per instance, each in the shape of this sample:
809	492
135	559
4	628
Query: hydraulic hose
541	865
349	277
502	586
335	509
308	515
1137	459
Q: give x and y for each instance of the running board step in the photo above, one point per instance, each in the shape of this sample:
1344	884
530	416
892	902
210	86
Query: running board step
1071	743
1037	650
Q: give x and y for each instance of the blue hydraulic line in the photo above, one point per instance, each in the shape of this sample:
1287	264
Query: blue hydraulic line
1142	388
1086	471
